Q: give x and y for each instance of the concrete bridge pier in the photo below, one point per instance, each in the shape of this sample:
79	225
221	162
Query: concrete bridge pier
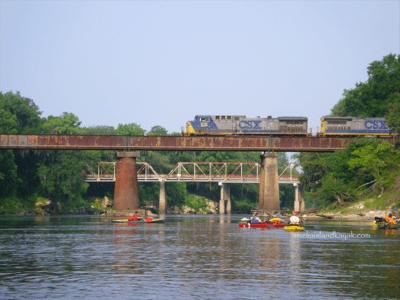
162	206
299	204
126	193
225	198
269	184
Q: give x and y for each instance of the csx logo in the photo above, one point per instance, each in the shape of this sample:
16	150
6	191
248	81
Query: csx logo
249	124
375	125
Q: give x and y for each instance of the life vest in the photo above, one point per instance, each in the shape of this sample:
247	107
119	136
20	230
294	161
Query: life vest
275	220
391	220
254	220
149	219
135	217
130	219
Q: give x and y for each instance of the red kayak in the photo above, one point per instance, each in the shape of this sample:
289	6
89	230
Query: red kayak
245	223
263	225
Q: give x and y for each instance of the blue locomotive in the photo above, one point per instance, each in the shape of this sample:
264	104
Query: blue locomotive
229	124
353	126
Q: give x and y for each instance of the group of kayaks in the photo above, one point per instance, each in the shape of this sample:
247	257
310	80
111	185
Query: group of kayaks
272	223
140	219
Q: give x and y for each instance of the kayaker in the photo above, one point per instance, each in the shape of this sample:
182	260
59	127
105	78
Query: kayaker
389	219
255	219
294	219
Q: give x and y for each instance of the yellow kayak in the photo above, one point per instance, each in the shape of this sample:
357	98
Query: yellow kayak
293	227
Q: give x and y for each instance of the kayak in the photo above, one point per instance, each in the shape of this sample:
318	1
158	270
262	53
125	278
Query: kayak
274	223
126	221
294	227
380	223
154	221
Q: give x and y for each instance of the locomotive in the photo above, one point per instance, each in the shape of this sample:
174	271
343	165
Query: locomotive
291	126
353	126
222	125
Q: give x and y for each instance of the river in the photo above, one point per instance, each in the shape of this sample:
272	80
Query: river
194	257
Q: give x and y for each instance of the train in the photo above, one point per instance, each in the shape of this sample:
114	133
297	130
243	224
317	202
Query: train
284	126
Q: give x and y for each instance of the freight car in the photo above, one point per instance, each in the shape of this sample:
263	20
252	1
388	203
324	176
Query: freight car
350	126
222	125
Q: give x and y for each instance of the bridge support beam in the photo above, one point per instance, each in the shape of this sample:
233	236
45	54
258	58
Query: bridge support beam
162	206
126	193
299	204
269	183
225	198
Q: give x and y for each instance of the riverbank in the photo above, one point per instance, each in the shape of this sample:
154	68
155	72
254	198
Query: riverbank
356	212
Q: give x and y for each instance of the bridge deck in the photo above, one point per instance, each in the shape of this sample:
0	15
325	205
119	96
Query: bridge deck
177	143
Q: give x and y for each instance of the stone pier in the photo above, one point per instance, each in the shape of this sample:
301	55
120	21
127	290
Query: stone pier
299	204
269	184
225	198
126	193
162	206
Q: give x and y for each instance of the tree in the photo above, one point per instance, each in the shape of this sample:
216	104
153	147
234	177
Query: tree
8	174
158	131
18	178
373	97
61	177
66	123
18	115
393	116
130	129
379	160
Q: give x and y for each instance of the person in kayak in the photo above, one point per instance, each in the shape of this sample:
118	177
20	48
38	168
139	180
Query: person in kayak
255	219
295	219
389	219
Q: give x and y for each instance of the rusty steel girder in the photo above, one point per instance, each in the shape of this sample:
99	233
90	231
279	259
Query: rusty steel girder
177	143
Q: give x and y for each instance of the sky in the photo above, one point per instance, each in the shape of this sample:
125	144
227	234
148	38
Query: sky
163	62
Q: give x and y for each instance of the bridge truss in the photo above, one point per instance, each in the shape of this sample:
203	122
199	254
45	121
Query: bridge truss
225	172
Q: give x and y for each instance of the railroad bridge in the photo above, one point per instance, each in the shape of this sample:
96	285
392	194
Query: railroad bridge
126	185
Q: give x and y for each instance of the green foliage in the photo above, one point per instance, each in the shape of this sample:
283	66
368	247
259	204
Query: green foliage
8	174
158	131
66	123
14	205
196	203
337	176
393	115
243	206
333	188
130	129
18	115
372	98
61	177
378	160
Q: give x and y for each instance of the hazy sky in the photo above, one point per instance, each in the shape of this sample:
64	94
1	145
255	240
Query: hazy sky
162	62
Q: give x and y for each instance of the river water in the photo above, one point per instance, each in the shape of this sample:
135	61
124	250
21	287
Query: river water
194	257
